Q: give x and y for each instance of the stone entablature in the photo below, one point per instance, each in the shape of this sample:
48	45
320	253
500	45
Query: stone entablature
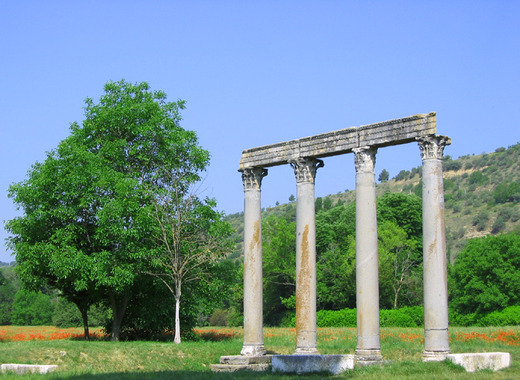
386	133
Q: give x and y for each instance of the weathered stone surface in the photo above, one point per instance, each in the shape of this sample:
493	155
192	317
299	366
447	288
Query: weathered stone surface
235	363
236	367
335	364
477	361
27	368
245	360
392	132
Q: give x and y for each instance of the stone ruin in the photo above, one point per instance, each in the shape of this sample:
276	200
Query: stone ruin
305	156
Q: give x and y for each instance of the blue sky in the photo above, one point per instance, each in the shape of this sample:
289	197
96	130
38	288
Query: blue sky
260	72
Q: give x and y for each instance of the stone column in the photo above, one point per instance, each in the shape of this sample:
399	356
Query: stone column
436	338
368	350
253	293
305	171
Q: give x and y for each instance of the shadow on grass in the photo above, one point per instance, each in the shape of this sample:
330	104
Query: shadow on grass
189	375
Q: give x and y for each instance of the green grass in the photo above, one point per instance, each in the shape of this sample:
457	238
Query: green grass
191	360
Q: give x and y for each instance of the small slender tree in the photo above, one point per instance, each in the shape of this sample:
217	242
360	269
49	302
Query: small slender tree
192	237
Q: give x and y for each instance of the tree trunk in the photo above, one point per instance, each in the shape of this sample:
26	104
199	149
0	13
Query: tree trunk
118	312
84	317
177	338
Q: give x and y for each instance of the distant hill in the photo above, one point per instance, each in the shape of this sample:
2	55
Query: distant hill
482	196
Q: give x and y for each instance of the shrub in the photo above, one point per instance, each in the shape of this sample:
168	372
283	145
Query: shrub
219	317
410	316
510	316
336	318
396	318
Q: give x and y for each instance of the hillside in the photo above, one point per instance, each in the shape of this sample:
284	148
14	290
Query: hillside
482	195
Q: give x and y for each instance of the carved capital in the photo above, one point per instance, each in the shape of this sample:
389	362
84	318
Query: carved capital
432	147
305	169
365	159
252	178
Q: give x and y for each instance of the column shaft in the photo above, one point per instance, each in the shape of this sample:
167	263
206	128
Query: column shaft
305	171
253	282
368	349
436	337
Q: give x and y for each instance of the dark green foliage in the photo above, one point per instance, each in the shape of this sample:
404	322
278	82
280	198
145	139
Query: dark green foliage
404	317
510	316
9	285
486	275
32	309
336	318
451	165
318	204
384	176
481	220
279	266
219	317
402	175
327	203
477	178
66	314
507	192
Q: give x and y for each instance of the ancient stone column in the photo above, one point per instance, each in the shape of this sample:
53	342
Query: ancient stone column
305	171
436	339
368	350
253	293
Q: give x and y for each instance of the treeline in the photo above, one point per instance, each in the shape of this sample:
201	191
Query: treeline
484	281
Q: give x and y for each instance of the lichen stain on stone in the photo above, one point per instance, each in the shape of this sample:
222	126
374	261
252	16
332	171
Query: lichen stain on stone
255	241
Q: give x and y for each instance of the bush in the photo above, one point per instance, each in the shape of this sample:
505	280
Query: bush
510	316
397	318
336	318
410	316
219	317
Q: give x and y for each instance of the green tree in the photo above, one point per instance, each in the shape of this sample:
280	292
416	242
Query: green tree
384	176
279	257
8	288
486	275
32	309
88	208
335	248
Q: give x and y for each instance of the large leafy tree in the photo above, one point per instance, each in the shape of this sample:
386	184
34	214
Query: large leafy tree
486	275
88	208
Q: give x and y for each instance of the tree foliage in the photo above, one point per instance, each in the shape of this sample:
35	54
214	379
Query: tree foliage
486	275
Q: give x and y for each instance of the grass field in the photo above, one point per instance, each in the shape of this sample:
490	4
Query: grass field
101	359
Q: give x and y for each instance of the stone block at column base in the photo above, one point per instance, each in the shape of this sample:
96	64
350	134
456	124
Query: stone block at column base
334	364
306	351
472	362
253	350
240	363
368	357
21	369
435	356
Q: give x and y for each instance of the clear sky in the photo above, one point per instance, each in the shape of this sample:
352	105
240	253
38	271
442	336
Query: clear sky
260	72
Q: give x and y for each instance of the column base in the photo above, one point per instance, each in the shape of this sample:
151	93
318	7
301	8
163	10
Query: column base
435	356
253	350
368	357
306	351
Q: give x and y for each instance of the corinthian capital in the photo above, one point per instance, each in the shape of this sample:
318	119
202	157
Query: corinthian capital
432	147
305	169
365	158
252	178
